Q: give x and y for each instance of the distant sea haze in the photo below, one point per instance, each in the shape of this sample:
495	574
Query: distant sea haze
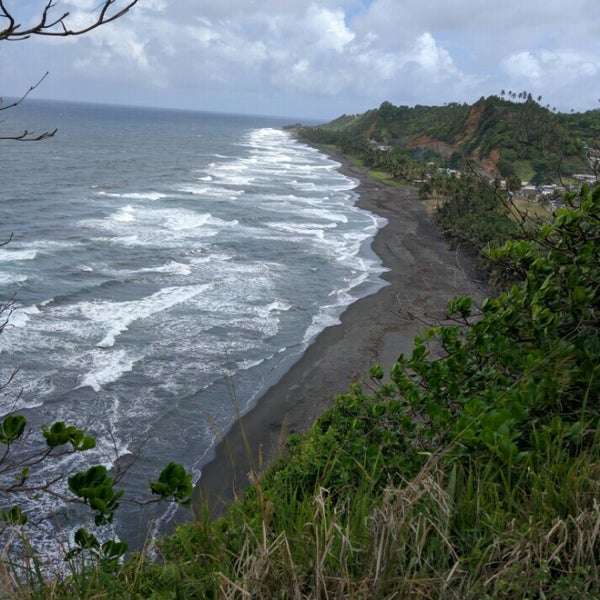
166	265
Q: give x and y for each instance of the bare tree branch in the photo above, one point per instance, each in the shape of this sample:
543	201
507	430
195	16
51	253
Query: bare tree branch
56	25
52	23
26	136
29	136
19	100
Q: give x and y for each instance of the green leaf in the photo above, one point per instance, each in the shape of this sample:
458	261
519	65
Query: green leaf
112	550
376	372
57	435
13	516
84	442
11	428
579	294
460	305
96	489
173	481
23	475
86	540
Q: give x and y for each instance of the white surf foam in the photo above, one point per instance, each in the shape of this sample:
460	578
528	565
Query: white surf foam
7	255
8	279
22	315
109	366
316	230
146	226
172	267
116	317
125	214
211	191
153	196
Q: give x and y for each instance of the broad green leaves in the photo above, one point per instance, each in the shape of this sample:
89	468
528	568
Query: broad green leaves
174	482
59	434
108	554
11	428
95	487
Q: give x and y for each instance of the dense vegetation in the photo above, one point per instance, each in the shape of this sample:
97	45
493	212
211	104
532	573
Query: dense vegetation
503	137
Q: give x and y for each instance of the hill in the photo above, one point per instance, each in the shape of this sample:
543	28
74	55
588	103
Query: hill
503	138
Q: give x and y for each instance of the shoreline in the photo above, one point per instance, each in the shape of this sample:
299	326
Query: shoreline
423	275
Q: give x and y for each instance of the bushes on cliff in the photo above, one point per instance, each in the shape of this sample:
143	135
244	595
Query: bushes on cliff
488	381
474	212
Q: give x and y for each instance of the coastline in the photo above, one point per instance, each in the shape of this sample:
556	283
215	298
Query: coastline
423	275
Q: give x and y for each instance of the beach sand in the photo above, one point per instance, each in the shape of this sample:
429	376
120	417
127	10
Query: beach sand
423	275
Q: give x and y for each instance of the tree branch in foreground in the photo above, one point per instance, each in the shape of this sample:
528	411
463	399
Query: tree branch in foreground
52	24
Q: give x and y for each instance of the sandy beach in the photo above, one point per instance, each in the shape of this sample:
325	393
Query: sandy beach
423	275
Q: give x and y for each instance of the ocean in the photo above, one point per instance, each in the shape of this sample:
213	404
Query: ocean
167	267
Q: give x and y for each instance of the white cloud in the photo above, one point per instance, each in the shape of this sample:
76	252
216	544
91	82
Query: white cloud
329	28
341	55
554	67
112	46
522	65
432	58
570	65
565	75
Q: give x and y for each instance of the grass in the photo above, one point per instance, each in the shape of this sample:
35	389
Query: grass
438	535
524	170
386	178
450	531
533	209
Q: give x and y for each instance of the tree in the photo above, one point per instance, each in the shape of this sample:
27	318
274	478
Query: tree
52	23
513	183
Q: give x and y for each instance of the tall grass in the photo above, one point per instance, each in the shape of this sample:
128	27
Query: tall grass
453	530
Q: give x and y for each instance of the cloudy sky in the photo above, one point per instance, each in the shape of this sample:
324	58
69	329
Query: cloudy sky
314	59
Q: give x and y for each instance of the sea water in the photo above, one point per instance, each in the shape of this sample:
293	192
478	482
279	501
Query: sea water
166	267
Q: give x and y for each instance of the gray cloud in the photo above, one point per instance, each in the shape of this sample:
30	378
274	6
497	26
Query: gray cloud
323	58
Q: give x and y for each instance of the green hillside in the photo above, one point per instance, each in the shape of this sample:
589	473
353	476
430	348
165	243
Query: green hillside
501	137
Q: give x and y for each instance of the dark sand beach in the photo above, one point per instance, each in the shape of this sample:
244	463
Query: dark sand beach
423	275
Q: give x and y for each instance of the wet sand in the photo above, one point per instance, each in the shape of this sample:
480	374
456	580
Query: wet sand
423	275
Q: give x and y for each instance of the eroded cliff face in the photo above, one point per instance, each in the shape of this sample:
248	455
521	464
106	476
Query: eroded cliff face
472	121
488	164
429	143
